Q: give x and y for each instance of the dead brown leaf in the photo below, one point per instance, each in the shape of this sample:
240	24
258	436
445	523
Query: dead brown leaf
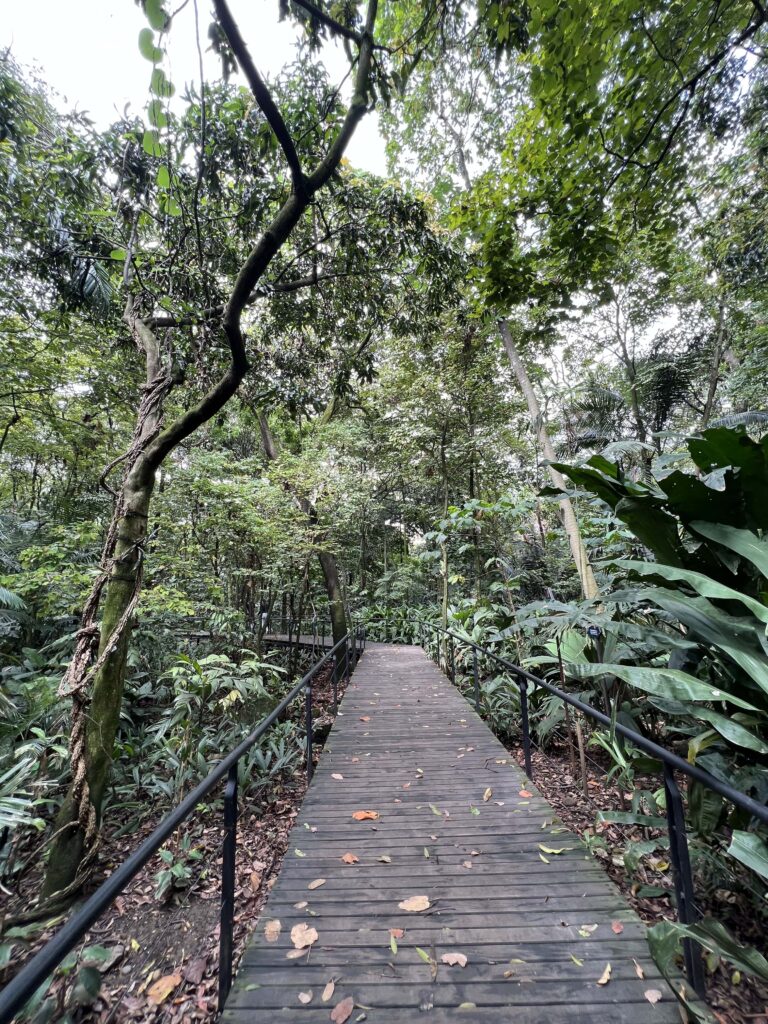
638	969
328	990
415	904
365	718
454	959
365	815
303	935
397	933
272	931
350	858
487	795
316	884
617	927
343	1011
605	977
525	794
337	775
653	995
162	988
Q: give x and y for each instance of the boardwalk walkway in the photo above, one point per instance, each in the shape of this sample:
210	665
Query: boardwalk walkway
459	824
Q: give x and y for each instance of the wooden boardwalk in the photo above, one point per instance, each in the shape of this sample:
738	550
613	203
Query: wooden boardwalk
458	824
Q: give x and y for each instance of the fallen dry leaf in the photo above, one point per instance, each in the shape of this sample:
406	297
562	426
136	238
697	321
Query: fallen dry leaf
525	793
365	815
454	959
328	990
300	905
350	858
337	775
605	977
162	988
397	933
638	969
255	880
316	884
294	954
303	935
466	864
487	795
272	931
343	1011
415	903
305	997
617	927
385	858
653	995
365	718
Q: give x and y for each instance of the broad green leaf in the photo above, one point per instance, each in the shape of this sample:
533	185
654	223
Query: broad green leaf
664	939
661	682
160	85
156	15
163	176
749	849
701	584
156	114
743	542
147	47
731	730
151	144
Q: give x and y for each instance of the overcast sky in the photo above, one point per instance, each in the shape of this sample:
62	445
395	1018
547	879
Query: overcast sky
87	52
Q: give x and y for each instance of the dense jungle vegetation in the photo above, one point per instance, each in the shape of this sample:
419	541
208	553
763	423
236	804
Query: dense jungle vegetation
519	386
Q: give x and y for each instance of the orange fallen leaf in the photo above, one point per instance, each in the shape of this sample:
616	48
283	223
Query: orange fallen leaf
365	718
328	990
653	995
397	933
255	880
454	959
316	883
303	935
343	1011
617	927
272	931
350	858
414	904
365	815
487	795
524	793
162	988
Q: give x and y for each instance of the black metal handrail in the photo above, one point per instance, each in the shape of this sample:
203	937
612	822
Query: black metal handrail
344	656
678	839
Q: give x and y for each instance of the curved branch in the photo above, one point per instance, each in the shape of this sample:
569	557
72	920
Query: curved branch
261	93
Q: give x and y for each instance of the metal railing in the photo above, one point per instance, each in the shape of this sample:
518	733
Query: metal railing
671	763
344	657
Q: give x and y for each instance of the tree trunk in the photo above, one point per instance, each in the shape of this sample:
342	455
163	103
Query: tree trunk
714	369
586	575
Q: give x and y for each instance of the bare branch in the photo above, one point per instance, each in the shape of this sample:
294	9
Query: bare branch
335	26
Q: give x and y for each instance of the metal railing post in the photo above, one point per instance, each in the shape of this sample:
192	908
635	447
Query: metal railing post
453	660
347	656
227	917
476	679
308	719
522	684
335	680
683	878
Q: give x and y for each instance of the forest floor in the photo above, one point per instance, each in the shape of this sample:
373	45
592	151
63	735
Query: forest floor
559	780
158	960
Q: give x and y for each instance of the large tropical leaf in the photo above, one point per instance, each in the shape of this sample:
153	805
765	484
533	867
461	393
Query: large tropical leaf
743	542
702	584
736	637
661	682
749	849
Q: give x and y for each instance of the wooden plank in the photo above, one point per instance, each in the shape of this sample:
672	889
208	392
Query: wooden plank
457	822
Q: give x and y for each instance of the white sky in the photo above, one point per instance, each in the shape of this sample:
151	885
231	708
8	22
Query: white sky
87	52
